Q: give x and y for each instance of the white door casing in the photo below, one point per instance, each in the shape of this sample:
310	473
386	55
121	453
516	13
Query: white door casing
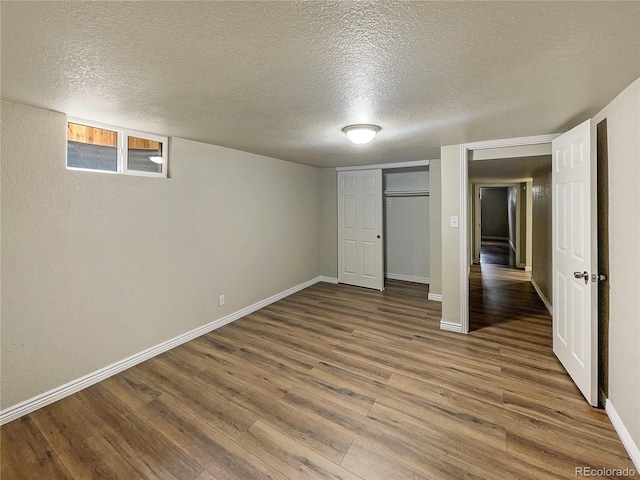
574	246
360	252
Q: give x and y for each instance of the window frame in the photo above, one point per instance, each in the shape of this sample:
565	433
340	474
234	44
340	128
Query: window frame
126	133
122	149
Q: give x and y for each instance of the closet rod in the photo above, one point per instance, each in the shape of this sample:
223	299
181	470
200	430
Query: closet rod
406	193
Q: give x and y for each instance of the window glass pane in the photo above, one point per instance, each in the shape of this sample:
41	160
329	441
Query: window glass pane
91	147
144	155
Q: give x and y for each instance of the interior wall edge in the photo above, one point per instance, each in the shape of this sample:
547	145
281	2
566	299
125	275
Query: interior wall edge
546	302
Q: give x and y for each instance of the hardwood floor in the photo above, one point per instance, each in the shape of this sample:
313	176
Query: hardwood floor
497	252
334	382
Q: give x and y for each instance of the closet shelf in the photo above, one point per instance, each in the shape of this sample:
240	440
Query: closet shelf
406	193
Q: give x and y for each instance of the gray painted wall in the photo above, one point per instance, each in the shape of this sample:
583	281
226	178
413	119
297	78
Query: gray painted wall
328	223
494	213
97	267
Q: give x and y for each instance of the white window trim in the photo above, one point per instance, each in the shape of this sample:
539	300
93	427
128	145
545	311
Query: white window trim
144	136
122	149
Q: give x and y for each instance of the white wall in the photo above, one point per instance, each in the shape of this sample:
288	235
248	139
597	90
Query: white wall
623	125
97	267
407	226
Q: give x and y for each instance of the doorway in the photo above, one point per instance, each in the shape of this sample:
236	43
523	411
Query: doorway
383	224
602	173
511	230
497	225
406	224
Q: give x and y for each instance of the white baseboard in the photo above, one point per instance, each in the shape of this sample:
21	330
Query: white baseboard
623	433
450	327
542	297
527	269
406	278
327	279
435	297
58	393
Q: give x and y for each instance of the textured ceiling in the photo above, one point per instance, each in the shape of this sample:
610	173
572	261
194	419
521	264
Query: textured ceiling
282	78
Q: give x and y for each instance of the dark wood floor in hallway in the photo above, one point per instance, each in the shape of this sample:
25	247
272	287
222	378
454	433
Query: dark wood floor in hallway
497	252
334	382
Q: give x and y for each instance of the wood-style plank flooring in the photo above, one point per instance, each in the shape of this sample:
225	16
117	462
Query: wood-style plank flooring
497	252
334	382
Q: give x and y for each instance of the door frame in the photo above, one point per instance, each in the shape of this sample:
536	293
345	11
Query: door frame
477	207
464	267
385	166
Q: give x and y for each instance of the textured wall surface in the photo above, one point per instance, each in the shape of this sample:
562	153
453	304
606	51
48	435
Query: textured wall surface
97	267
542	267
623	125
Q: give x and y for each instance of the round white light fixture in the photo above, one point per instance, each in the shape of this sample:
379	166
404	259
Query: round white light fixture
361	134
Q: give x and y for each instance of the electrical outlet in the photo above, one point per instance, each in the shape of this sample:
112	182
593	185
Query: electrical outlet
221	300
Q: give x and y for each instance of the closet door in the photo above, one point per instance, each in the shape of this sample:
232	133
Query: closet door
360	252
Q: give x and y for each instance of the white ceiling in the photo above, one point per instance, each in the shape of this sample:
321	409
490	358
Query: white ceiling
282	78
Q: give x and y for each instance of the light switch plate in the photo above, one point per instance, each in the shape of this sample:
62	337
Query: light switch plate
453	220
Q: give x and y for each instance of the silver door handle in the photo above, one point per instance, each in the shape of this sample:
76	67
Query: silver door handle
584	275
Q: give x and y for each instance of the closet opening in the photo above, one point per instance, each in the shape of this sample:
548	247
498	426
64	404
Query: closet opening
406	224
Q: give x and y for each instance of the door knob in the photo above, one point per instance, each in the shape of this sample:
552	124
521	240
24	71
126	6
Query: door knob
378	236
584	275
595	277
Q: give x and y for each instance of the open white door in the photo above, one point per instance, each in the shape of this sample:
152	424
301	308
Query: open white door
575	259
360	256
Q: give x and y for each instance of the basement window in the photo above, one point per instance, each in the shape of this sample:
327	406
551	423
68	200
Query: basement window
102	148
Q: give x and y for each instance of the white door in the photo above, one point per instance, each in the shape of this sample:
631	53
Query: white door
575	258
360	257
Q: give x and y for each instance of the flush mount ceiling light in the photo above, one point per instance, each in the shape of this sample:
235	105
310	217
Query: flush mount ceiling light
361	134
